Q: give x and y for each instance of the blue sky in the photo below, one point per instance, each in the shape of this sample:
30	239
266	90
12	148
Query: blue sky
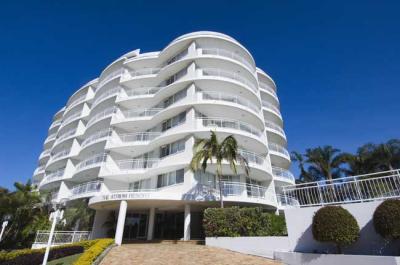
336	63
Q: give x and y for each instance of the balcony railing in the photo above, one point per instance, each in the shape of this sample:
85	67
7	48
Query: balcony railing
58	174
96	137
231	124
362	188
92	161
139	136
110	76
76	102
134	113
282	173
269	106
61	154
141	72
286	201
45	153
279	149
85	188
228	54
135	164
39	170
51	137
101	115
273	126
214	95
55	123
252	157
142	91
106	94
268	88
231	75
71	117
61	237
66	135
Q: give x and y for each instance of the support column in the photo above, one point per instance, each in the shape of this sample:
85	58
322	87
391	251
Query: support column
186	232
150	229
121	223
98	231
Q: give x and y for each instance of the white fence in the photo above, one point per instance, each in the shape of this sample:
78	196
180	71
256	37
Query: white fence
59	237
375	186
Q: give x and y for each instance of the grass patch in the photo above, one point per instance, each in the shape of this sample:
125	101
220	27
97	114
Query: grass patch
69	260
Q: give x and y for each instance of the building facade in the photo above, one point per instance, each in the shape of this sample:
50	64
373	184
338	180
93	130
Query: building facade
125	139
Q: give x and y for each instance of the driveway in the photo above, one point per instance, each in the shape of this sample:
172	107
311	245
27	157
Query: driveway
179	254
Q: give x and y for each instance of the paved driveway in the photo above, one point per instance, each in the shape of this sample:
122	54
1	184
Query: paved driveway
178	254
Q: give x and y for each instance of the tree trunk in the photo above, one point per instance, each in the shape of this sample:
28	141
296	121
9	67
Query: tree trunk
221	199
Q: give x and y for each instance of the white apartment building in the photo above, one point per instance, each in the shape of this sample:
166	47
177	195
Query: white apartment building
125	139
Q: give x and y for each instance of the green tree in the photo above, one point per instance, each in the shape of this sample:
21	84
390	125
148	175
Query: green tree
306	174
211	150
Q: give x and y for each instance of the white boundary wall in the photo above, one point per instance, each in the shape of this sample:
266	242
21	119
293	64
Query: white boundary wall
299	222
259	246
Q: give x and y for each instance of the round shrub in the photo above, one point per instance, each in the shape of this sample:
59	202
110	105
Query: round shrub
387	219
333	224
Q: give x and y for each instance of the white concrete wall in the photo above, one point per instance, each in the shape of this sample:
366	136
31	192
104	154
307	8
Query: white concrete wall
292	258
299	222
259	246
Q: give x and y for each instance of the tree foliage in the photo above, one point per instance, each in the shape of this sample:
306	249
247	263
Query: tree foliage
387	219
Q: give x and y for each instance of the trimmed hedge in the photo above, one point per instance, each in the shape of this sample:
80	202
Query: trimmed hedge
91	254
236	221
334	224
387	219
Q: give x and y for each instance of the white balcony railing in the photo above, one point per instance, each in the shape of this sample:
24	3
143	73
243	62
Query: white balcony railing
268	88
39	170
106	94
231	124
58	174
231	75
282	173
110	76
142	91
51	137
71	117
135	113
273	126
139	136
77	101
85	188
45	153
55	123
96	137
214	95
136	164
269	106
252	157
66	135
279	149
61	154
95	160
362	188
101	115
286	201
228	54
60	237
142	72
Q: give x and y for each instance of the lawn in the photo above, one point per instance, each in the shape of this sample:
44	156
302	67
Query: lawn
65	261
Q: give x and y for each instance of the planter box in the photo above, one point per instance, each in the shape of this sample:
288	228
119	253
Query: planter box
258	246
295	258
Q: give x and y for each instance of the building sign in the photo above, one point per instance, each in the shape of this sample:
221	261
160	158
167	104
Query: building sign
126	196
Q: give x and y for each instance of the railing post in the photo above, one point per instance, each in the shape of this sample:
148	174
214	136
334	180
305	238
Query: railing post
321	199
358	189
285	194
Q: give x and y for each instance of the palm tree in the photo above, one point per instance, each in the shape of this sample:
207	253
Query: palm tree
211	150
326	161
306	175
387	155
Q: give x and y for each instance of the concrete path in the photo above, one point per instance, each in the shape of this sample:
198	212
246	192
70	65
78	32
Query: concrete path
178	254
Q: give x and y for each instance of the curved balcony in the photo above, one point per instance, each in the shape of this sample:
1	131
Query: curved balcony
252	157
228	54
51	137
74	116
39	170
91	162
139	73
274	127
230	124
268	89
283	174
137	164
214	72
141	113
76	102
44	154
106	95
112	75
221	96
139	136
279	155
100	116
142	91
53	176
65	136
55	124
96	137
59	155
87	189
270	107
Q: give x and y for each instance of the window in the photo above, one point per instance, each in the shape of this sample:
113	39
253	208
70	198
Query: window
140	185
175	98
172	148
170	178
175	77
174	121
